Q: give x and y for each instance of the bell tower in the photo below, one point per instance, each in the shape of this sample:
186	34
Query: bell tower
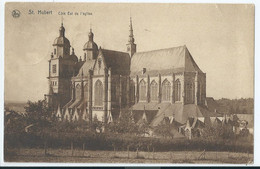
131	46
61	68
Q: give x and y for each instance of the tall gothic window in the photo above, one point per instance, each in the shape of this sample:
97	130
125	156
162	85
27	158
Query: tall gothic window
154	91
142	90
132	91
189	92
98	93
78	91
177	90
166	90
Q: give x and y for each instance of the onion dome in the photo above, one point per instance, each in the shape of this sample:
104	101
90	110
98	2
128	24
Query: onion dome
90	45
61	40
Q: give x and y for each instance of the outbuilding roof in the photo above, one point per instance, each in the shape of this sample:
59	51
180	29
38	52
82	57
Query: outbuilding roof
179	112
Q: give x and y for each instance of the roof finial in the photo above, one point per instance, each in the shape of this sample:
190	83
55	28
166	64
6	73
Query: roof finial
73	51
90	35
62	29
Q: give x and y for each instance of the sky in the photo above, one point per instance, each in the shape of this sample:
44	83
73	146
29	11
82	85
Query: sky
219	37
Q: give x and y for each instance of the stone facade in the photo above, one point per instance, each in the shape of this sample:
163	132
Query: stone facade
106	82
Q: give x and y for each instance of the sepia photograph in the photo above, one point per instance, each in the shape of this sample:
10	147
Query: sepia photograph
129	83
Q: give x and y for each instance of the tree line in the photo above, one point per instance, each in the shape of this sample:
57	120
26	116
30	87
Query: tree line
236	106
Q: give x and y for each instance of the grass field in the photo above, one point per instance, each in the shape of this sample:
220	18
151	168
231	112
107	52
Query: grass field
80	156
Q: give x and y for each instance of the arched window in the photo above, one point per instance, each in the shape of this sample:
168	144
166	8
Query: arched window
132	91
154	91
98	93
166	90
78	91
177	90
189	92
142	90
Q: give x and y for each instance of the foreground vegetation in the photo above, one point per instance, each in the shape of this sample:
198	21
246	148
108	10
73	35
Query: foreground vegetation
39	129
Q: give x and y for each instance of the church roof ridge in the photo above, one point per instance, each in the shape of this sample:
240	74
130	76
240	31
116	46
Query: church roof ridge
109	50
157	50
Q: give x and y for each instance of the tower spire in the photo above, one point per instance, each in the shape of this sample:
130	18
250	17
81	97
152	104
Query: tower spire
131	46
131	33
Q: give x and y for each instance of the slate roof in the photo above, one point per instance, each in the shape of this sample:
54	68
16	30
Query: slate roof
74	57
119	62
176	59
138	114
61	41
90	45
75	103
179	111
83	104
68	104
89	64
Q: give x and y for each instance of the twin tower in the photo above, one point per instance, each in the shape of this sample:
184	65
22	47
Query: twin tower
105	83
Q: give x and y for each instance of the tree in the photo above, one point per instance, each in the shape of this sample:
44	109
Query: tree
13	122
237	111
143	128
38	111
39	116
124	124
244	111
97	125
164	129
231	110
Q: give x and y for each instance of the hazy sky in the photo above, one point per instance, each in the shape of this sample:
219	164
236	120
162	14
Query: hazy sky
219	37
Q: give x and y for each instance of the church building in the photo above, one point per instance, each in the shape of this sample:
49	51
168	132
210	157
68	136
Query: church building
151	85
